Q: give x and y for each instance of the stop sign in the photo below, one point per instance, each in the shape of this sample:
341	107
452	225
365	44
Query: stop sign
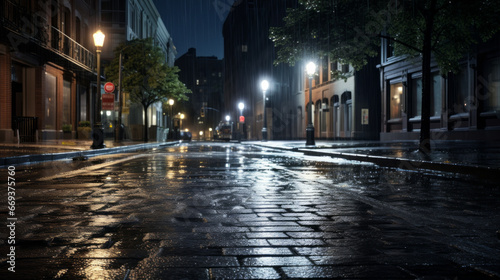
109	87
242	119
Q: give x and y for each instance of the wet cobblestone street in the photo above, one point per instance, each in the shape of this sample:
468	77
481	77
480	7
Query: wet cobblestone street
230	211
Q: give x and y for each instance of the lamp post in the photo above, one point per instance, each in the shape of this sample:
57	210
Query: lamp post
182	118
171	122
264	86
97	131
119	121
241	106
310	69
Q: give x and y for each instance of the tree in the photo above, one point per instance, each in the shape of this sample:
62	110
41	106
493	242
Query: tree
145	75
350	31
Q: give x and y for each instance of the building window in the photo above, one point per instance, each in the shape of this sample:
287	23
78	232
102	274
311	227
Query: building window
396	97
491	84
50	101
436	97
459	91
66	103
416	97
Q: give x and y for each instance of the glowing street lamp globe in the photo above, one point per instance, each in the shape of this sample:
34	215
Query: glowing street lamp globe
99	39
311	68
264	85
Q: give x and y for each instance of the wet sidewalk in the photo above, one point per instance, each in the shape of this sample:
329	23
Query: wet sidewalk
65	149
468	157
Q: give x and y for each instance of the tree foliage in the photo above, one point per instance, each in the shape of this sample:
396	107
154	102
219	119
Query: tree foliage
456	27
351	30
145	74
338	29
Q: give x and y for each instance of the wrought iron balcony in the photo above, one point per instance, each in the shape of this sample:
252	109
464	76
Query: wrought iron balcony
71	50
29	32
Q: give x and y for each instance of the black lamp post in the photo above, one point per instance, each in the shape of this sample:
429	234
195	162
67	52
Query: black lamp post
264	85
171	129
310	69
97	131
241	106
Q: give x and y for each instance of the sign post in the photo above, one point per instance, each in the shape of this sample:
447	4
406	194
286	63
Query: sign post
108	102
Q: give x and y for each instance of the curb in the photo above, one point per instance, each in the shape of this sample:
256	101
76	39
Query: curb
25	159
401	163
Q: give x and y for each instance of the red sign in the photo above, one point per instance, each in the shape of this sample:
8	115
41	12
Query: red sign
109	87
242	119
108	102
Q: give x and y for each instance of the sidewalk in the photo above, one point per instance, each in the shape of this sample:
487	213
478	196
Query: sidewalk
467	157
64	149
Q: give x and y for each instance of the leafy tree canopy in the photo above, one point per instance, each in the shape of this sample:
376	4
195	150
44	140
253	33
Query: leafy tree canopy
349	30
145	73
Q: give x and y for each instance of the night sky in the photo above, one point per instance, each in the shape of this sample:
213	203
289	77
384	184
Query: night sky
195	24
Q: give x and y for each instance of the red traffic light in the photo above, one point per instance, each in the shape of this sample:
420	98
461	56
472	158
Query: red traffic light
242	119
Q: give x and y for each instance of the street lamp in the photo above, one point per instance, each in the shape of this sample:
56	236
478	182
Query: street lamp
310	69
182	118
228	118
171	129
98	132
241	106
264	86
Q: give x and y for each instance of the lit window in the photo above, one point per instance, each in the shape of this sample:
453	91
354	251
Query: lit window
396	96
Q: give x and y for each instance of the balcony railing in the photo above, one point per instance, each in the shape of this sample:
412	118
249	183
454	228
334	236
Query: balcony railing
33	28
70	49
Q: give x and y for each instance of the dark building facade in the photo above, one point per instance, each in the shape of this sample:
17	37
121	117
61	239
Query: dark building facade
204	76
464	105
248	59
48	63
47	66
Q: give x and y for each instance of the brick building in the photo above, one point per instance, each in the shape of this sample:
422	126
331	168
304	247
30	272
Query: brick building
46	65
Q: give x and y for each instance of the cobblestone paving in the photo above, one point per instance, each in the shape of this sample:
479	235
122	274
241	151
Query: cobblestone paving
225	211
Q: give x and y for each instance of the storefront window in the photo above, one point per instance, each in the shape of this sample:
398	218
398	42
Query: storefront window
83	103
416	97
459	90
396	97
50	102
66	103
491	83
436	98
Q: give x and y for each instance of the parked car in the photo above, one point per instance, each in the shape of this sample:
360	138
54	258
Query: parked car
185	135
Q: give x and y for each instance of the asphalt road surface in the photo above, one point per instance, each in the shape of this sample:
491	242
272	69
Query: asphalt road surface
232	211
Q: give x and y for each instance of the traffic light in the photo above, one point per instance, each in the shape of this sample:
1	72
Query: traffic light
202	112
